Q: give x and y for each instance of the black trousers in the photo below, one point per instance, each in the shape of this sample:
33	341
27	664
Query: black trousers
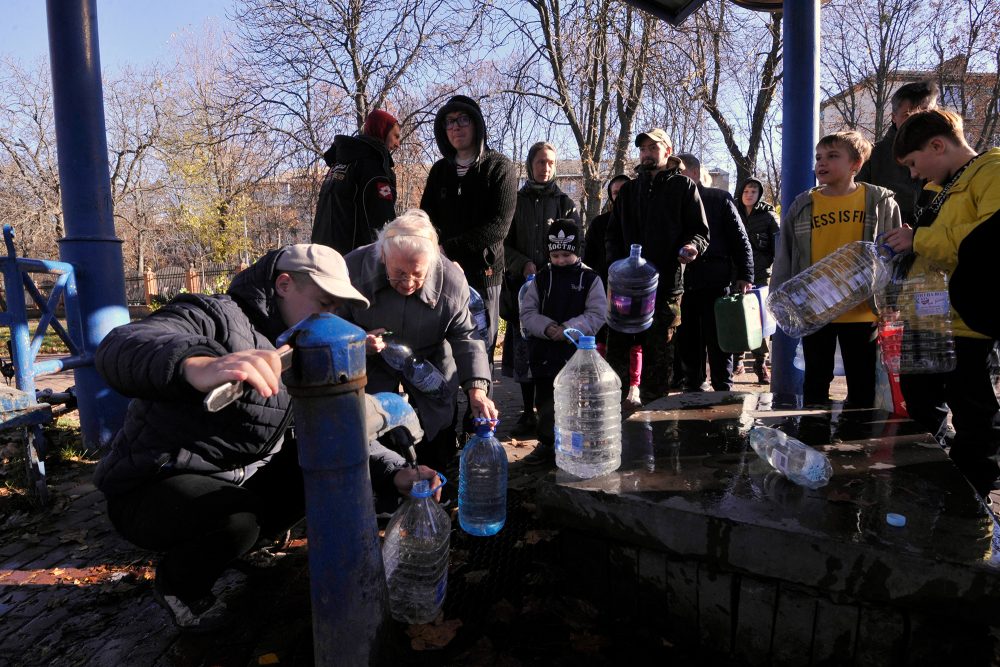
201	524
698	339
546	406
968	391
657	351
857	347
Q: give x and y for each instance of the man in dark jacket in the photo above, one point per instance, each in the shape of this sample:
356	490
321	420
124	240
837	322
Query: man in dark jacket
470	197
881	168
358	195
708	278
203	488
662	211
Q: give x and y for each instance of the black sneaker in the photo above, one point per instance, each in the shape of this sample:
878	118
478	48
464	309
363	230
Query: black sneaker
542	454
206	614
526	426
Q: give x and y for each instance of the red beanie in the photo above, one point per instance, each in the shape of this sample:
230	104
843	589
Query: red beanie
378	124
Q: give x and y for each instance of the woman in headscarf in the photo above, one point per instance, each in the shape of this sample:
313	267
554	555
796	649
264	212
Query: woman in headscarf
539	202
423	299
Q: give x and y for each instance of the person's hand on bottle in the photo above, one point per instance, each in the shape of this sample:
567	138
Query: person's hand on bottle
555	332
373	341
687	254
404	479
900	239
261	369
529	269
742	287
481	405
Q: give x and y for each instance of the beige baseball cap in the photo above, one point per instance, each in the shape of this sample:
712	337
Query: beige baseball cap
326	268
657	135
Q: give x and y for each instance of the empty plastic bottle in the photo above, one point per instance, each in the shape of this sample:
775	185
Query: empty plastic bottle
529	281
477	307
794	459
632	292
588	412
426	378
809	300
415	552
396	354
482	482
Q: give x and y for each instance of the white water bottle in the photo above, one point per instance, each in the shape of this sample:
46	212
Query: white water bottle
792	458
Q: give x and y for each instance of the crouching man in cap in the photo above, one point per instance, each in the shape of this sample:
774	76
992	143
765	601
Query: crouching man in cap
205	488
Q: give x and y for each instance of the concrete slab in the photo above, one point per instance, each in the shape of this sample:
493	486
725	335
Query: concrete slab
692	488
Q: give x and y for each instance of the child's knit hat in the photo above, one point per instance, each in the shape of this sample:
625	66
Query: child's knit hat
564	234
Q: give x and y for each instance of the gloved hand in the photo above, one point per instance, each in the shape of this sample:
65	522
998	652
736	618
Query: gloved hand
385	411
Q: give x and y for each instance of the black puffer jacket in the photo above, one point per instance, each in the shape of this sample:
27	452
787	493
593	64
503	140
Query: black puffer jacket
358	195
661	212
728	256
472	213
166	431
762	230
537	206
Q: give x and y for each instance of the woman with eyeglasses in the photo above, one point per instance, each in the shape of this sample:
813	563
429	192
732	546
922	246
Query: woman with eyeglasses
423	299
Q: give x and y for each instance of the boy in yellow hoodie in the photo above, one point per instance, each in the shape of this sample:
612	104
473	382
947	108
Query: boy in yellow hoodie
932	145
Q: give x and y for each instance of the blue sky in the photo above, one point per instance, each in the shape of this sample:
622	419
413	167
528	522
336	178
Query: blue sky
133	32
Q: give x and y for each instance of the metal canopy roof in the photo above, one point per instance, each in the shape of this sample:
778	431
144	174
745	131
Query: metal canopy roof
676	12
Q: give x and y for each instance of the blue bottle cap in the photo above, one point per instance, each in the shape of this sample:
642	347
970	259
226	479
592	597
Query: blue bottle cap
587	343
897	520
421	489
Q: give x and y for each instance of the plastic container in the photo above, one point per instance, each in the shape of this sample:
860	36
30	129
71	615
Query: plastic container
588	412
415	552
632	293
795	460
396	354
528	283
482	482
427	379
477	307
928	345
810	300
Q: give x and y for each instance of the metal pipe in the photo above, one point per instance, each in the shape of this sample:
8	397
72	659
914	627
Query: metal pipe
799	134
90	244
347	577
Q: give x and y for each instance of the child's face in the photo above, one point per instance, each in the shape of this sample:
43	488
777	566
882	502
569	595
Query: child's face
562	258
834	165
927	163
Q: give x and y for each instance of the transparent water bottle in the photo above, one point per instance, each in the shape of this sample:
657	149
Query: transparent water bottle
631	292
477	307
482	482
415	552
529	281
395	355
588	412
794	459
426	378
928	345
810	300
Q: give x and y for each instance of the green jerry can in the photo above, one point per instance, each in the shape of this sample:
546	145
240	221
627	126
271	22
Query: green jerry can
738	323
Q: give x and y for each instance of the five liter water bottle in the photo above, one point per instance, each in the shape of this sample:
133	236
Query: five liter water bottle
631	293
794	459
477	307
415	552
482	482
809	300
420	373
927	345
520	301
588	412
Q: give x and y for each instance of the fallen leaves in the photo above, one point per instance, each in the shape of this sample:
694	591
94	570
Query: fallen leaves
435	635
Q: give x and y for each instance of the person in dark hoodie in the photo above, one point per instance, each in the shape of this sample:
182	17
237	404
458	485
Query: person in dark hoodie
708	278
358	195
761	222
203	488
470	197
539	203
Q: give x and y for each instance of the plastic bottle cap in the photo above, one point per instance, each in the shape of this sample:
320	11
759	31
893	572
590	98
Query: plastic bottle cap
421	489
897	520
587	343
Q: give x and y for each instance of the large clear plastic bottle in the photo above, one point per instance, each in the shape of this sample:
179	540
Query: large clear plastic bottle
396	354
426	378
477	308
809	300
528	283
415	552
482	482
928	344
588	413
792	458
632	292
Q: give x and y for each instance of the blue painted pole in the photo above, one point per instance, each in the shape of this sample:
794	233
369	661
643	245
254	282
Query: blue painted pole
347	578
90	244
800	132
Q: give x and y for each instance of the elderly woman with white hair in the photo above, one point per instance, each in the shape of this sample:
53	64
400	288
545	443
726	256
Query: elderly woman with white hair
423	298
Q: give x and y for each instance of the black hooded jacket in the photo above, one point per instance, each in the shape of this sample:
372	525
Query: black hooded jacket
166	431
358	195
472	213
662	213
762	230
728	256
